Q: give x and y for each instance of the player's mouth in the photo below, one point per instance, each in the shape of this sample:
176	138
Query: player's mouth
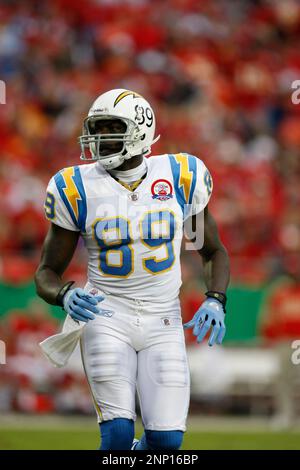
110	148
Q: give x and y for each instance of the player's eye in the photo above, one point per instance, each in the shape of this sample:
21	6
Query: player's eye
119	127
92	127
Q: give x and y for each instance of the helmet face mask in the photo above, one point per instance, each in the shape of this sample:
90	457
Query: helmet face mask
113	148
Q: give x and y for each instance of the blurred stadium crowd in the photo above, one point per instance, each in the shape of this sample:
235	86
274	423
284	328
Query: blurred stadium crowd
218	75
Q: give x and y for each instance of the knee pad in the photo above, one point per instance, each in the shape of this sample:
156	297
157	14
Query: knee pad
164	440
117	434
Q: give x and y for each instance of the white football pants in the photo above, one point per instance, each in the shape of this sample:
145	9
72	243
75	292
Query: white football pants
140	347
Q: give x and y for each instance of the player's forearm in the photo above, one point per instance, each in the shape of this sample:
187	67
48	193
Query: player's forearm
57	252
48	284
217	270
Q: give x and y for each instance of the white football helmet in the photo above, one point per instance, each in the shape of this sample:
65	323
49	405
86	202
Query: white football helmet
138	116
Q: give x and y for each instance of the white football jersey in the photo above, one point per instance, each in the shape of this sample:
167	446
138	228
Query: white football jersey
133	238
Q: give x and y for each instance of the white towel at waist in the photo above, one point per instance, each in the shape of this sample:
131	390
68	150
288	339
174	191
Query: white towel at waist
58	348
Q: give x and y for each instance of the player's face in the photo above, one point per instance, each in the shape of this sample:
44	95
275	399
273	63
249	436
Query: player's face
109	126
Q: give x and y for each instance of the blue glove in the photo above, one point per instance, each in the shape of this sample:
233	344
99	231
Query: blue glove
82	306
209	315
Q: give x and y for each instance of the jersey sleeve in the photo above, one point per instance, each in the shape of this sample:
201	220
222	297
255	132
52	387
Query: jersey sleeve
56	210
192	183
203	188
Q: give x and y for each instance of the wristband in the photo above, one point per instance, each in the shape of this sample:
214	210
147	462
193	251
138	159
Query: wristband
220	296
62	293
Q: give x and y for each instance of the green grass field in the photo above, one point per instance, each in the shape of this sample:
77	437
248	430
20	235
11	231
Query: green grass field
38	433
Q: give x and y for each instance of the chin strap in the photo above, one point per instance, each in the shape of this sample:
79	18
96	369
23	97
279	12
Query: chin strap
126	157
155	140
145	152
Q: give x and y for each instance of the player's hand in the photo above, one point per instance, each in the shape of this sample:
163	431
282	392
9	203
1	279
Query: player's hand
82	306
210	315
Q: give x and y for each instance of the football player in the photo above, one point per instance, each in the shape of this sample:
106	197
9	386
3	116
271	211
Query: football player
130	211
